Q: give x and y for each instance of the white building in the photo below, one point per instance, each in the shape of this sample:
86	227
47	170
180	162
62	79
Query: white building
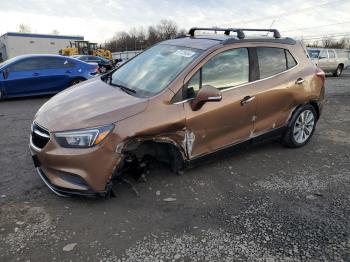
14	44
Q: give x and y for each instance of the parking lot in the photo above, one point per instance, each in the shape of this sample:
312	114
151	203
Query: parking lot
266	203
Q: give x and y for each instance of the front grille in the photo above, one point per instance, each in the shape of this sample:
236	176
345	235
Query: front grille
40	136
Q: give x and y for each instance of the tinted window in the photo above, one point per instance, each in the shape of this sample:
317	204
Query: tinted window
290	60
271	61
55	63
331	54
227	69
314	53
27	65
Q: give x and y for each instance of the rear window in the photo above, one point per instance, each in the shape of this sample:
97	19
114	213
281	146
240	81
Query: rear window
273	61
290	60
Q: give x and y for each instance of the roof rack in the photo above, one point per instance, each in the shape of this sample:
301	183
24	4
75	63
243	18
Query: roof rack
239	31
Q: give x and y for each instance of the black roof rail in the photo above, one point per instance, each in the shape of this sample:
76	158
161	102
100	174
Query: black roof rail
226	31
239	31
275	32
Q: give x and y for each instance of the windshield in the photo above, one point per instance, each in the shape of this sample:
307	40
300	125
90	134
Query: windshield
314	53
9	61
153	70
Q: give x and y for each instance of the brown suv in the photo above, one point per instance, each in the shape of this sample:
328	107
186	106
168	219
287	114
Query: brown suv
178	101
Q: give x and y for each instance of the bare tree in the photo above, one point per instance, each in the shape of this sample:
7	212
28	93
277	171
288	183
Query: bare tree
23	28
167	29
139	38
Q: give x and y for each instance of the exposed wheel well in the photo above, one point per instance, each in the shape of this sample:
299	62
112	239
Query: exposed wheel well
165	152
81	79
342	65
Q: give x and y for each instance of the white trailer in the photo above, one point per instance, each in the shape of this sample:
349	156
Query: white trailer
126	55
14	44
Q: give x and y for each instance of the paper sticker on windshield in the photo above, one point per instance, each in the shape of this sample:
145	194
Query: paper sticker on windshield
185	53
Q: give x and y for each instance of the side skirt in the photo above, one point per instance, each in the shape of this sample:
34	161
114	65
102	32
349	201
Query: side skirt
261	139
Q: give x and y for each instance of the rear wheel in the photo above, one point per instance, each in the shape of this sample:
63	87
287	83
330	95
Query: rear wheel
2	97
301	127
103	69
339	70
76	81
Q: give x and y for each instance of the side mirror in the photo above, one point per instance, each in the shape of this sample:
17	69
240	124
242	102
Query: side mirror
206	94
5	74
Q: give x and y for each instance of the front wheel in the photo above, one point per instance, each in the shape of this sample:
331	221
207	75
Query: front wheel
301	127
338	72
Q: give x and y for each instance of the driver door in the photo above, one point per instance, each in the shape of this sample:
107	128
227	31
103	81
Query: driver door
219	124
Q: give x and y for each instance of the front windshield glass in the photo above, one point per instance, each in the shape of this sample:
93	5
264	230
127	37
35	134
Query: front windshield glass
314	53
154	69
9	61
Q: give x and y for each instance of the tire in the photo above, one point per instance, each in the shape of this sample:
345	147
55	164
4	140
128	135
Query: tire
339	70
76	81
2	97
103	69
301	127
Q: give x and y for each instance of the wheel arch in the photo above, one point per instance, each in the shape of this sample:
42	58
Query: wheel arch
163	149
313	103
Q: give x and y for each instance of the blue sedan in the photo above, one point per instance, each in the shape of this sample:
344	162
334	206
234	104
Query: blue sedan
30	75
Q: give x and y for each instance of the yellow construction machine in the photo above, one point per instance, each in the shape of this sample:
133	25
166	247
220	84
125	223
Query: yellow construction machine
85	48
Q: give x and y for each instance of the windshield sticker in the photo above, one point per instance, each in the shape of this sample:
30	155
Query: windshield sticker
185	53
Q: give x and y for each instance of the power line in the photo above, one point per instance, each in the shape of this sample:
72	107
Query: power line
326	36
292	12
313	27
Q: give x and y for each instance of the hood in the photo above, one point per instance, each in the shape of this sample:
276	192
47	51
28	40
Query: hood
88	104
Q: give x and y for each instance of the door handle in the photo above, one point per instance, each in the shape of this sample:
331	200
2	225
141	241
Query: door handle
68	72
299	81
35	74
247	99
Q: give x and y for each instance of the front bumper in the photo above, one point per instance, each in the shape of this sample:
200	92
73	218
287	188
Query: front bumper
65	192
81	172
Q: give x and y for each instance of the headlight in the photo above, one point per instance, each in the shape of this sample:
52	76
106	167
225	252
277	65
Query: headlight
83	138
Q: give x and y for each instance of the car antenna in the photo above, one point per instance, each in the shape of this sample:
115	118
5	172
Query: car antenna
273	21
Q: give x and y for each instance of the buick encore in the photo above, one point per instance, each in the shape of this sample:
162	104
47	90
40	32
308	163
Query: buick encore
179	101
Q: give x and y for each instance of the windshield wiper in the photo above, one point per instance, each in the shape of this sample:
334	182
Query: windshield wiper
124	88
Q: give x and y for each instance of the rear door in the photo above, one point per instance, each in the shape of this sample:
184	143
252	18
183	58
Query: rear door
333	63
219	124
57	73
24	77
275	89
323	60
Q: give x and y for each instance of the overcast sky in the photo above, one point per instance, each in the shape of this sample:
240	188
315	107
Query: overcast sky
99	20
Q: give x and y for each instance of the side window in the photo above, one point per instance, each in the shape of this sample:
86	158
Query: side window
227	69
26	65
68	64
323	54
193	86
290	60
53	63
271	61
331	54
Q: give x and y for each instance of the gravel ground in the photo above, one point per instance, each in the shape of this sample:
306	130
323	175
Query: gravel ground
267	203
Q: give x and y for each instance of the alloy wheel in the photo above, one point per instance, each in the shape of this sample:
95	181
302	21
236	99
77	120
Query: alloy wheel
303	127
